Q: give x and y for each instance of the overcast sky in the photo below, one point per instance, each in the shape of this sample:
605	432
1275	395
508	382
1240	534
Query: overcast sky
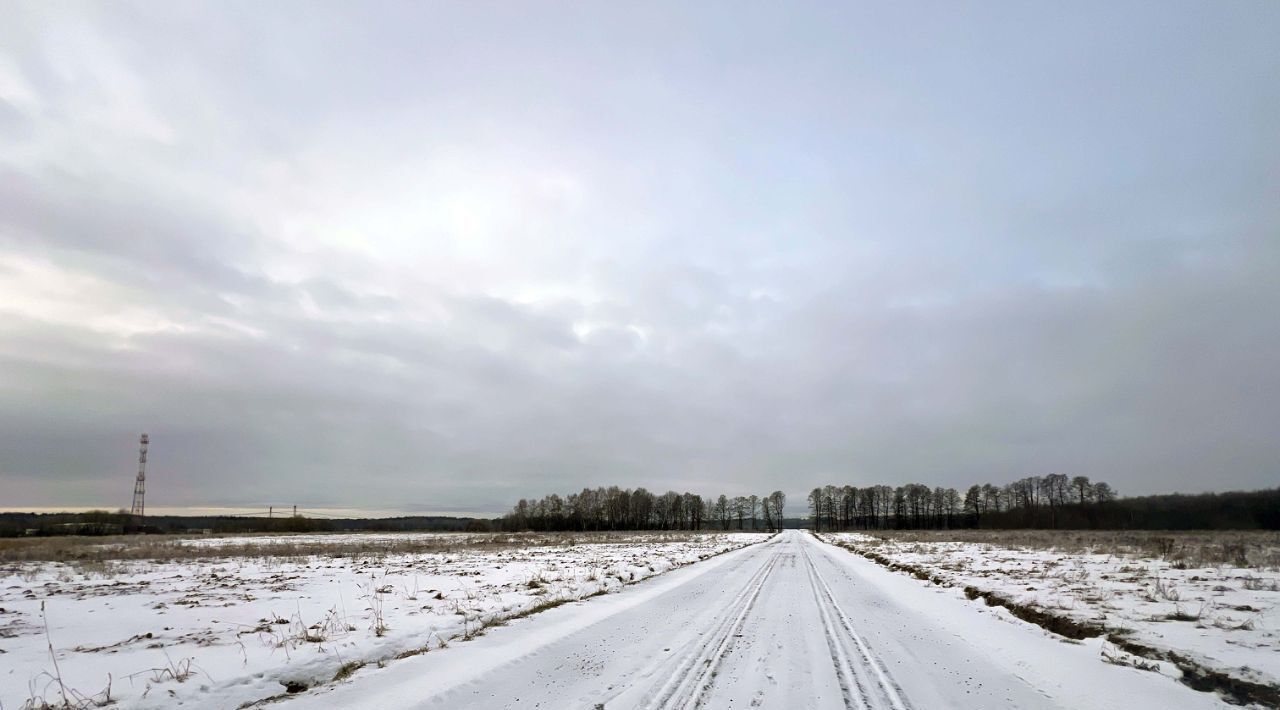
423	256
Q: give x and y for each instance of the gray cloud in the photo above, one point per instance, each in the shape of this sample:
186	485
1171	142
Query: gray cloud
440	258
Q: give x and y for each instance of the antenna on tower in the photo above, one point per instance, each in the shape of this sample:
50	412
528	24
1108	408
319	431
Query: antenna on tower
140	485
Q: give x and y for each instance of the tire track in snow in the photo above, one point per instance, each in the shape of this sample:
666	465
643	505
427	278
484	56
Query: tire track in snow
853	658
692	678
851	689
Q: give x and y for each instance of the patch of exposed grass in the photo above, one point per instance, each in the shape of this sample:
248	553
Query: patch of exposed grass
347	670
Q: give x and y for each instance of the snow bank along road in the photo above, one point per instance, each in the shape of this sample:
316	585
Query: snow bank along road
792	622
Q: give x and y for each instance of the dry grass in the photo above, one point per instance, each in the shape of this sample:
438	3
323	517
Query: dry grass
167	548
1252	549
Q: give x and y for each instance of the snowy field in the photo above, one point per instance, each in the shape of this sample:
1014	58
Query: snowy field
1211	598
363	539
789	623
217	622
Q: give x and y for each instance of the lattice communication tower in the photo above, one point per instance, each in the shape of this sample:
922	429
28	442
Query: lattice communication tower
140	485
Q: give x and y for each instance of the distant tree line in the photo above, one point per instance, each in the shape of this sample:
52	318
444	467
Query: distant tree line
1034	502
615	508
1051	501
107	523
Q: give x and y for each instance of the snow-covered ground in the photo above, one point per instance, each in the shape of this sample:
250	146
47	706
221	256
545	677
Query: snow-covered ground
790	623
370	539
1222	617
219	631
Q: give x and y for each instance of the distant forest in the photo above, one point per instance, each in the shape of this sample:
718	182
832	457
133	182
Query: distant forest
616	508
1053	501
1037	502
108	523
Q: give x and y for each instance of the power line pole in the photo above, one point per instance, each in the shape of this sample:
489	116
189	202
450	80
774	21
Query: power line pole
140	484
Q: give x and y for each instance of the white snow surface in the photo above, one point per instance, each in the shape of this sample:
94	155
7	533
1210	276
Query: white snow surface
303	539
790	623
222	631
1225	618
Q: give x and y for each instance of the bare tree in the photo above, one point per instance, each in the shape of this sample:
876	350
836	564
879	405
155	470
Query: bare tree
1103	493
777	506
951	503
993	497
1056	487
912	505
738	506
722	512
973	503
815	507
1084	489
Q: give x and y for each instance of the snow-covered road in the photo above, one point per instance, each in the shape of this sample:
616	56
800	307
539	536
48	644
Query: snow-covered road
793	622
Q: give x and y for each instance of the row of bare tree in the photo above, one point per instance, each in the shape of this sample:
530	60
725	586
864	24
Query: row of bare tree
1034	502
1027	502
615	508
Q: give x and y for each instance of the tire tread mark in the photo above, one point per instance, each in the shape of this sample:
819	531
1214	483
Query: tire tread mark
851	688
688	685
892	693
